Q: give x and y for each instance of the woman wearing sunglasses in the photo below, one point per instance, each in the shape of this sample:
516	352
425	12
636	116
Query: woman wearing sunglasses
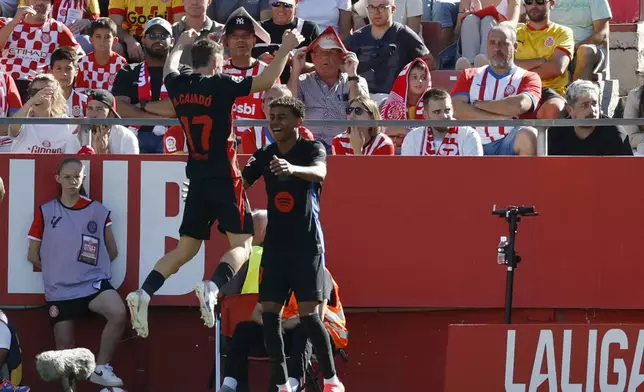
46	99
475	20
363	140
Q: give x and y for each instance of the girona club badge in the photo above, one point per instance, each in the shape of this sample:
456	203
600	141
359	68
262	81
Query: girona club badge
46	38
510	90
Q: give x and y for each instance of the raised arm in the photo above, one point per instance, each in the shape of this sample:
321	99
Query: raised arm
290	40
7	29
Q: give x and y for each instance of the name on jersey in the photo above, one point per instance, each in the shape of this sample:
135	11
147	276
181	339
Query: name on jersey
197	99
244	109
135	18
28	53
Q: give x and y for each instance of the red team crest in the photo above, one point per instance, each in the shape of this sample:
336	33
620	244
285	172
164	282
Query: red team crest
45	38
46	143
62	12
510	90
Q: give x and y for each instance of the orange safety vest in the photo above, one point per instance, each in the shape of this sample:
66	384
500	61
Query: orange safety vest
334	319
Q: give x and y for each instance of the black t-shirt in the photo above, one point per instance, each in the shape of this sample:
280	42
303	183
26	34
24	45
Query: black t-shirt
604	140
381	60
126	84
309	31
293	203
203	105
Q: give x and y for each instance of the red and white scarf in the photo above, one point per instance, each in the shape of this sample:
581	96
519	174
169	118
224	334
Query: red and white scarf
449	145
145	94
145	87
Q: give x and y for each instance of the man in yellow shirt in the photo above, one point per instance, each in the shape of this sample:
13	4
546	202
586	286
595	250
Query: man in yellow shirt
546	48
131	16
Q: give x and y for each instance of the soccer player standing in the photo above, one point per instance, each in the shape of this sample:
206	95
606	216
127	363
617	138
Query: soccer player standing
293	258
203	101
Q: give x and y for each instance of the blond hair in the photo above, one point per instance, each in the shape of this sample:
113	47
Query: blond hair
58	105
372	109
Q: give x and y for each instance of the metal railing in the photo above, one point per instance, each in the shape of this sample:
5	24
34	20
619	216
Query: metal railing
540	125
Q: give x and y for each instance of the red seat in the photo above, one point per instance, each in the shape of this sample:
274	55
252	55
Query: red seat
234	310
445	79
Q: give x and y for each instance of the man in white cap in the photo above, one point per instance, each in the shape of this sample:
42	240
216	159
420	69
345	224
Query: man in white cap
241	34
139	88
108	139
328	90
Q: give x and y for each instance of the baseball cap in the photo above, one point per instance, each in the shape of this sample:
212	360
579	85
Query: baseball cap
105	97
291	2
329	39
158	22
241	19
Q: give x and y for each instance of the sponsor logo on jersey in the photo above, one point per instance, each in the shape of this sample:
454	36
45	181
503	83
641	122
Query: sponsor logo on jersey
244	109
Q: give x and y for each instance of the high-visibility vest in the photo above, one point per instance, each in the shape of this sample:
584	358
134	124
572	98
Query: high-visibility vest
335	322
251	284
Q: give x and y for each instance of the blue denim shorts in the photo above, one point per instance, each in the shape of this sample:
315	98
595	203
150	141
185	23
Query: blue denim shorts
445	12
503	146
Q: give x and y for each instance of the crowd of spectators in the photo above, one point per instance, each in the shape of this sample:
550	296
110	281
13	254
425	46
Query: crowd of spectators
361	59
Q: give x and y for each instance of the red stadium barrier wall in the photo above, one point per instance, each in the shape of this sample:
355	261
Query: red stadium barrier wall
424	225
401	233
625	11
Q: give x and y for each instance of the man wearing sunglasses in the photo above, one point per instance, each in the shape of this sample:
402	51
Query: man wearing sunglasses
588	20
546	48
283	18
139	88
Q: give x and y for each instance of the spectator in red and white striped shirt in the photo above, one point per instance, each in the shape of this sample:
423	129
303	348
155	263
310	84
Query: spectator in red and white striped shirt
363	140
10	103
64	67
28	40
500	91
97	70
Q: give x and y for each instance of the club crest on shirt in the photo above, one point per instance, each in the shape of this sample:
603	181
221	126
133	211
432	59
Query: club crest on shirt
550	42
62	12
46	143
46	38
237	79
76	110
53	311
509	90
171	144
92	227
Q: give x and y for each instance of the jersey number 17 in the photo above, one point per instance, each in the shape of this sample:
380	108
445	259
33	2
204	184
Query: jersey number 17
191	126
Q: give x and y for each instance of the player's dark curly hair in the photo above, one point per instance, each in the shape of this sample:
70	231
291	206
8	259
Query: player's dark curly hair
298	108
204	51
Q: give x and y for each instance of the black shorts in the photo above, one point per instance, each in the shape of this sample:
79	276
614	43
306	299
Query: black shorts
210	200
548	94
285	272
73	309
23	88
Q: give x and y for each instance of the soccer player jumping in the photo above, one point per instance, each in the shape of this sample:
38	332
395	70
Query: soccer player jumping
293	260
203	101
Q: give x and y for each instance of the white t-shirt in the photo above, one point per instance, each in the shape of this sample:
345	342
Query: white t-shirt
46	139
579	15
324	13
467	139
407	9
123	141
5	144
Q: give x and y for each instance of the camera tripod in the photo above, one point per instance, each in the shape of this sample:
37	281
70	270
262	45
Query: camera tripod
512	214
